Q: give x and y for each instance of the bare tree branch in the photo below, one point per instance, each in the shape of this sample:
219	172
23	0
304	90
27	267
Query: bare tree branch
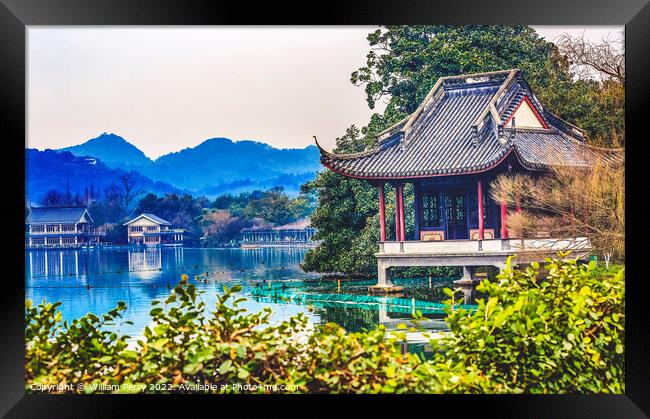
606	57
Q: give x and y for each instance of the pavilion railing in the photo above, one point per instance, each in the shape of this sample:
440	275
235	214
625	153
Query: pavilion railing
512	245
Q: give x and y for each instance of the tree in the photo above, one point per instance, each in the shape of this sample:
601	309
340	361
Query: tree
305	203
53	198
224	201
406	61
274	207
570	202
347	221
597	99
220	227
129	190
606	57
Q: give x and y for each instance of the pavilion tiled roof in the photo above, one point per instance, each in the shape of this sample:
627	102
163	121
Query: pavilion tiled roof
150	216
460	128
542	150
56	215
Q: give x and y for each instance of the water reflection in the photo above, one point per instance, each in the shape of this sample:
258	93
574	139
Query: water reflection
94	280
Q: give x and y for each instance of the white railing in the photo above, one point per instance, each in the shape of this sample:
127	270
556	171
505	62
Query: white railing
91	232
62	245
485	246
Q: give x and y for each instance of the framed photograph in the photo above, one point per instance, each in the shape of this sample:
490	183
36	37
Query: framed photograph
423	200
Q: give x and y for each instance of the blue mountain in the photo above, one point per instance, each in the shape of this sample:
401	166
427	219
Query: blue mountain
61	170
219	160
216	166
111	149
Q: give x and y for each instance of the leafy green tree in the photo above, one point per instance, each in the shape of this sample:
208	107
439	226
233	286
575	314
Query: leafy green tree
304	204
344	217
406	61
274	207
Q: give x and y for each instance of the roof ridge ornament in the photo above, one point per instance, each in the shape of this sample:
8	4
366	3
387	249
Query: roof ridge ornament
507	138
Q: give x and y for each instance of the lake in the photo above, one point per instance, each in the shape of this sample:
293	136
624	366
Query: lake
94	280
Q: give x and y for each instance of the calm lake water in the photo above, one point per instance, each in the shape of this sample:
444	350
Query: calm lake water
94	280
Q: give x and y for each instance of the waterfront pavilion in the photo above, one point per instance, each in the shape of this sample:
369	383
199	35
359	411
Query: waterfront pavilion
468	130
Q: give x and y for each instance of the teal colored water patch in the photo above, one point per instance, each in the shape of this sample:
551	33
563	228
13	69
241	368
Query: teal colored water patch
418	288
95	280
333	284
400	305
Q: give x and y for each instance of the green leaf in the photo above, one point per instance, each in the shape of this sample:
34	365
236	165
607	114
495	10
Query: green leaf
224	367
156	311
241	350
192	369
242	374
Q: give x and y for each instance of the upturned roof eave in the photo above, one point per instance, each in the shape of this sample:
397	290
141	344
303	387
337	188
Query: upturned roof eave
345	156
401	176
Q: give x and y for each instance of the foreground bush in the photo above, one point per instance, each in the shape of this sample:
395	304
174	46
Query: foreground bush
557	329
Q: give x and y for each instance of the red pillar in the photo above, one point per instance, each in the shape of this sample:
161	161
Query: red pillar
382	214
402	223
481	216
504	220
398	235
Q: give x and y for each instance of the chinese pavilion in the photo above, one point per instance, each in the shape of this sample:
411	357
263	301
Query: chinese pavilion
468	129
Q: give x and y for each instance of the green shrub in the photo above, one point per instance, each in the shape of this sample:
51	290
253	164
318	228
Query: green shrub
557	329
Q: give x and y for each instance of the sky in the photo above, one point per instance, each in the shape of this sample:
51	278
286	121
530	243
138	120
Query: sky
168	88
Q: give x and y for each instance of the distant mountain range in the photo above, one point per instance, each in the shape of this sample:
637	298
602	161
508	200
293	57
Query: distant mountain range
214	167
61	171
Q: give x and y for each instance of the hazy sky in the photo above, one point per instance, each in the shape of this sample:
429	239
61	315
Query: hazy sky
167	88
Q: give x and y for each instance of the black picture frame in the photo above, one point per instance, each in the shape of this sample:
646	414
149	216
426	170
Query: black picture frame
16	15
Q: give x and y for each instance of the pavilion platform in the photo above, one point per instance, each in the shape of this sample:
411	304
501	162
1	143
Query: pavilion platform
469	254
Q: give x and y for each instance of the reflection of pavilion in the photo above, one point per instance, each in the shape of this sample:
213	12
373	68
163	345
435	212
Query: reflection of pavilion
53	262
410	340
145	259
391	323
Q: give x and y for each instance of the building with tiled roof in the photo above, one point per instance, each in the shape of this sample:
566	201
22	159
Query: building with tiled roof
150	230
467	130
299	232
47	227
